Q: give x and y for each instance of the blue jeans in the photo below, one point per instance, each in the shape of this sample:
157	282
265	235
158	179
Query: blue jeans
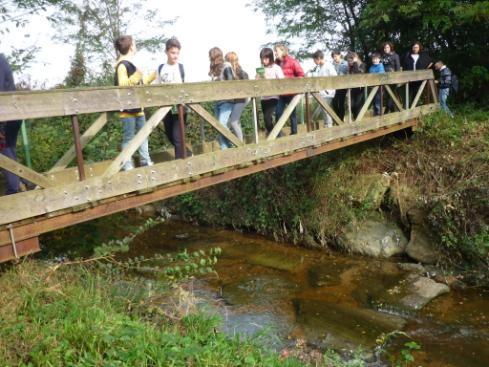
443	95
377	103
223	110
283	101
130	127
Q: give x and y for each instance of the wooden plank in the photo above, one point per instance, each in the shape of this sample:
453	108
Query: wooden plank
136	142
65	102
418	95
202	112
283	119
327	108
34	203
22	248
393	97
114	205
88	135
366	105
433	91
24	172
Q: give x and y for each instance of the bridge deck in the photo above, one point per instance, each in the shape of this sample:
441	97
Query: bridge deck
64	199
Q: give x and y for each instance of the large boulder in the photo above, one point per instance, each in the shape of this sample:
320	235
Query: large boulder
376	237
369	190
421	246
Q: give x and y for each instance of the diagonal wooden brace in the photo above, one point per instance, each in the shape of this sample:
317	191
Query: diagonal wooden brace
202	112
136	142
418	95
394	97
367	103
327	108
283	119
88	135
24	172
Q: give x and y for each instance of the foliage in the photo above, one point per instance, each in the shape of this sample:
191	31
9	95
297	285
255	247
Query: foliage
80	316
94	26
455	31
402	358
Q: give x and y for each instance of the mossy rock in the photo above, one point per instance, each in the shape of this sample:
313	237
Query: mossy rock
369	190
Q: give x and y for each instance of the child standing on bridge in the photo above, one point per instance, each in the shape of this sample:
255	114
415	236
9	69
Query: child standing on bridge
173	72
126	75
355	66
270	71
324	68
291	69
377	68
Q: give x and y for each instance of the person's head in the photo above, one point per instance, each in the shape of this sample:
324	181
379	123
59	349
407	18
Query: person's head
318	57
232	58
351	57
125	45
266	57
172	50
416	47
388	47
216	59
281	50
375	57
439	65
336	56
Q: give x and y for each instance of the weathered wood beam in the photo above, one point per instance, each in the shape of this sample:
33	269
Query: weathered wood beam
88	135
283	119
136	142
433	91
418	95
327	108
202	112
65	218
24	172
65	102
393	97
34	203
367	103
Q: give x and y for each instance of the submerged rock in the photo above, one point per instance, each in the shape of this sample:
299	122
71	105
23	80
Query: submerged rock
421	291
320	275
374	237
338	326
421	246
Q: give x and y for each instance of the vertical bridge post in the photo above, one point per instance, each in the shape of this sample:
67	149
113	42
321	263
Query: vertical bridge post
78	148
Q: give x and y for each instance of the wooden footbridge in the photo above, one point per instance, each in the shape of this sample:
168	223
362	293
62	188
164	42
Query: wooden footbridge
69	195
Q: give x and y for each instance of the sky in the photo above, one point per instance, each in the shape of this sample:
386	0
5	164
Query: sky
200	25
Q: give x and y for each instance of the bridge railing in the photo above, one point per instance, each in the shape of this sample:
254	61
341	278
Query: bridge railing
58	194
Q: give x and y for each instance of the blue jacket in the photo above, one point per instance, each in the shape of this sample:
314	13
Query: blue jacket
376	69
7	83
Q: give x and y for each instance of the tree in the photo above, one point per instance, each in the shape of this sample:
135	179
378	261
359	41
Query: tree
14	14
94	26
324	23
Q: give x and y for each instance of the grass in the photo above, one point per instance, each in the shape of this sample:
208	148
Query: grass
80	316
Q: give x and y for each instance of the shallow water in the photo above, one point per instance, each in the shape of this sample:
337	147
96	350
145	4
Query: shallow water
328	300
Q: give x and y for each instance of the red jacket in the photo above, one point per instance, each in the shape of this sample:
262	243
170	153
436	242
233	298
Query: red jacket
291	67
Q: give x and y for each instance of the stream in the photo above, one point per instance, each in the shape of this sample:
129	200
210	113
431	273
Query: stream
327	300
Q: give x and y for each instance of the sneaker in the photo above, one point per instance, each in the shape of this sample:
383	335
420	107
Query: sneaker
147	164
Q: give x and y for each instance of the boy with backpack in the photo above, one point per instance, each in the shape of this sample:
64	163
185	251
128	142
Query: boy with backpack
173	72
126	75
447	82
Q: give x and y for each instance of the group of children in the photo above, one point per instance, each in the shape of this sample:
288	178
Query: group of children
276	64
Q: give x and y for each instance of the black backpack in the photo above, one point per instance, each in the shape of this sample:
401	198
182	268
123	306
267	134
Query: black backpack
180	67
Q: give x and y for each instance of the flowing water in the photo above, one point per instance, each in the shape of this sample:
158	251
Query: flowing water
328	300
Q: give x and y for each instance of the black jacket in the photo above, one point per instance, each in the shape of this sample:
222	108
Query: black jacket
7	83
391	62
445	78
423	62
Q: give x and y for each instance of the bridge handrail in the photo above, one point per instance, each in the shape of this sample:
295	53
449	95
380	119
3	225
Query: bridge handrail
23	105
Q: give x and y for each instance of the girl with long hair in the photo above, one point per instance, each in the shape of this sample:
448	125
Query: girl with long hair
239	104
221	70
